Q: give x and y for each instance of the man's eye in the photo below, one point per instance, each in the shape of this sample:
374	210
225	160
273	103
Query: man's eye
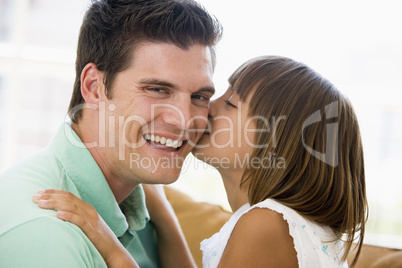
157	90
200	97
230	104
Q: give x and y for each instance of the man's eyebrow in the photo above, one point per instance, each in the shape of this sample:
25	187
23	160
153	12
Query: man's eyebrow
152	81
157	82
208	89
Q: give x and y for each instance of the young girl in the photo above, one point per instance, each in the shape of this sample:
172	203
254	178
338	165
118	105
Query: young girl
290	155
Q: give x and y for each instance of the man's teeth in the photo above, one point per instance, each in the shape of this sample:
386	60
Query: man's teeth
164	141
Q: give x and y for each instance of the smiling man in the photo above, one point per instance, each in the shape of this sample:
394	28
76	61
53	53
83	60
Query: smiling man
159	101
143	84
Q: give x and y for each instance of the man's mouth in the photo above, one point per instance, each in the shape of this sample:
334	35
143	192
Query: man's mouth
163	142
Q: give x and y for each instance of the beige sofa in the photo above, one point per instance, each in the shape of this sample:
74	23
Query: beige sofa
200	220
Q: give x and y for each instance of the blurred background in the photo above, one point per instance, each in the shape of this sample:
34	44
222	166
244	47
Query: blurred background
356	44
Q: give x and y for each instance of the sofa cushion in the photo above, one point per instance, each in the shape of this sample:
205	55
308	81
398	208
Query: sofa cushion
378	257
200	220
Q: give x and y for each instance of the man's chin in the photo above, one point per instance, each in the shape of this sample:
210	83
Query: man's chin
165	176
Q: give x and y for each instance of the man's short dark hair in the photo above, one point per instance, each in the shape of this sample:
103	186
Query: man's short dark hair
111	29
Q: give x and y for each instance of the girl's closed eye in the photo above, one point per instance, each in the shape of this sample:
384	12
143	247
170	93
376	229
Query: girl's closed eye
230	104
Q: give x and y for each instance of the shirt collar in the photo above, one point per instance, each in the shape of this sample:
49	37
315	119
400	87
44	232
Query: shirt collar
92	186
135	209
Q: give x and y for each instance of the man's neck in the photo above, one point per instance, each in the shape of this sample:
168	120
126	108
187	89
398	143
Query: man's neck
116	183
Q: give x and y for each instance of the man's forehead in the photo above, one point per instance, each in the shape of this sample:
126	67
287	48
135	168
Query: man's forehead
166	64
159	51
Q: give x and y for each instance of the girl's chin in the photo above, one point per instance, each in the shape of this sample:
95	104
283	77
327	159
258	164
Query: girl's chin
201	146
198	150
200	153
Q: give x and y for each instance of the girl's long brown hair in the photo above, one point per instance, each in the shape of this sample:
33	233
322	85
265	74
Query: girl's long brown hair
323	178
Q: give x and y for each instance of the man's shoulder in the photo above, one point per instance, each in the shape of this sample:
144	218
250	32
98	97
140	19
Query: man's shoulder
45	225
19	183
48	241
39	171
41	163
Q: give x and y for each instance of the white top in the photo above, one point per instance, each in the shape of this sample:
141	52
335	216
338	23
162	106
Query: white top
312	242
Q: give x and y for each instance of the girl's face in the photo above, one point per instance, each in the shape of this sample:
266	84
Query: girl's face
228	142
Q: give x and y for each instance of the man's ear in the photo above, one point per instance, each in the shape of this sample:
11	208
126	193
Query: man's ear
92	87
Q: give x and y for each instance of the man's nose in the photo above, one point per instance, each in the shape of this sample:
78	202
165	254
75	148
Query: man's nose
213	106
178	115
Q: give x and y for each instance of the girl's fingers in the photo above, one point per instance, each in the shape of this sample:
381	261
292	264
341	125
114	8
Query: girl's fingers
64	201
46	193
95	228
69	208
58	194
50	195
58	204
73	218
53	191
82	223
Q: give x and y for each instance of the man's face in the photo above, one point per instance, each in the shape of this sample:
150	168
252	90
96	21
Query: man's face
157	112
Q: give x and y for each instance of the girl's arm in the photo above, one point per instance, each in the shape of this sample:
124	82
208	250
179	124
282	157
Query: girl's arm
72	209
173	248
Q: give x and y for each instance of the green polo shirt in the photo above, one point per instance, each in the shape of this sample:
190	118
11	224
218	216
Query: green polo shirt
34	237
